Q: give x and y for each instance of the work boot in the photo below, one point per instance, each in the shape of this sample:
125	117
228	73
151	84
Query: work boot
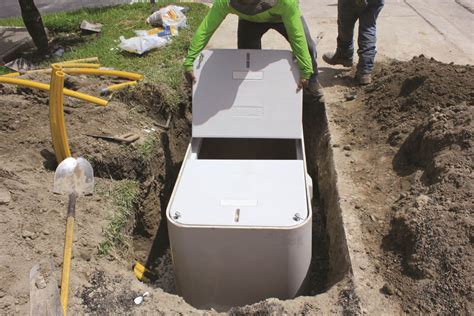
337	59
363	79
316	90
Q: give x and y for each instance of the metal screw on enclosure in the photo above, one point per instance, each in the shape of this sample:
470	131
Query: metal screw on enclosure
176	215
297	217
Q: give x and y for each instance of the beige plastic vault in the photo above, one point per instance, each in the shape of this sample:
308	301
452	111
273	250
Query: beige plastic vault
239	217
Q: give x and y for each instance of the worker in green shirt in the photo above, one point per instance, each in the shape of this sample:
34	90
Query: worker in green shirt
256	17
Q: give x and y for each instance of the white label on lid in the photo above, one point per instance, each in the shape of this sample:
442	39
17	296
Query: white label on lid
247	75
246	111
239	202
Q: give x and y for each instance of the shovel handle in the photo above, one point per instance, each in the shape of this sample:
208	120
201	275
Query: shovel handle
68	252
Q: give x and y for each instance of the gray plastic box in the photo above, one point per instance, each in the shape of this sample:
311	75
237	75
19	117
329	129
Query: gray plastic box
239	217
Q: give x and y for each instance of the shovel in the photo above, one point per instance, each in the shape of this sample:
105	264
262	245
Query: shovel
75	178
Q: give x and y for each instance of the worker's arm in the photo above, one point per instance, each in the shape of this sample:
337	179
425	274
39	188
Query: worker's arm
291	17
208	26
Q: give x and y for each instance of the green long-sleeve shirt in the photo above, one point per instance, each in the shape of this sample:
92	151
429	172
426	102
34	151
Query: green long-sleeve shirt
286	11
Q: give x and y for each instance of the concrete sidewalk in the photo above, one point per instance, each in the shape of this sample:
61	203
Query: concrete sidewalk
441	29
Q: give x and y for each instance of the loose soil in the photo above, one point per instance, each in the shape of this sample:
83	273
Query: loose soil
408	142
425	109
409	150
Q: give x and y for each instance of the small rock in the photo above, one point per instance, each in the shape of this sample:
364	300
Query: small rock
422	200
357	206
85	255
372	218
347	147
40	282
46	232
348	154
387	289
5	196
336	145
138	300
2	294
349	96
28	235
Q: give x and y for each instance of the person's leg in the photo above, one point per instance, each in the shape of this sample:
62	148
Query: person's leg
347	15
367	37
249	34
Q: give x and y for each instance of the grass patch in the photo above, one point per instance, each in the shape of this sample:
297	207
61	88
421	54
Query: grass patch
163	65
4	70
146	148
124	195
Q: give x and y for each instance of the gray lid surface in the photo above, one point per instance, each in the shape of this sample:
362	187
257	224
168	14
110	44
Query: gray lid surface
246	94
267	193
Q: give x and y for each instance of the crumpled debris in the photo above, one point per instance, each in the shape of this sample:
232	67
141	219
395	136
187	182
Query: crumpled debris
139	299
168	16
142	44
20	64
91	27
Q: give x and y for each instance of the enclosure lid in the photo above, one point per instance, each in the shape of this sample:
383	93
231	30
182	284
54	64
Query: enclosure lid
246	94
240	193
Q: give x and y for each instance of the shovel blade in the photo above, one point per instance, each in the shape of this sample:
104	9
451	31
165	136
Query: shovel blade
74	176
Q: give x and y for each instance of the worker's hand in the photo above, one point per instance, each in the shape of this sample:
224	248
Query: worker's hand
189	75
302	84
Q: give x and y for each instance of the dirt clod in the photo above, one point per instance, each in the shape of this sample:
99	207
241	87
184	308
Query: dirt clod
387	289
426	109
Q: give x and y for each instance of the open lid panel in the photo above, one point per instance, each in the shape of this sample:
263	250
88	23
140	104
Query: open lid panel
246	94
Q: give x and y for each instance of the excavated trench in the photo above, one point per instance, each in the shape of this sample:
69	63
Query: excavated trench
157	176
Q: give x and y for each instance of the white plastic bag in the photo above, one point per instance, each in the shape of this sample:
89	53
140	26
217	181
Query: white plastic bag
166	31
141	44
168	16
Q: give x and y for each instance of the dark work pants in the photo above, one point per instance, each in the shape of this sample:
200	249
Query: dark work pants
347	15
249	36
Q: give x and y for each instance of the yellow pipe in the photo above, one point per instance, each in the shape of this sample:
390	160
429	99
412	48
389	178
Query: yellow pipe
79	65
82	60
46	87
87	71
117	86
53	120
56	116
103	72
12	74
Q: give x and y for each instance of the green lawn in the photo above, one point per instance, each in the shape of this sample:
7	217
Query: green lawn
162	65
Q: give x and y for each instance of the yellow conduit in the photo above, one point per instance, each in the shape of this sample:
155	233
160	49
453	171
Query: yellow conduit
46	87
103	72
12	74
82	60
118	86
88	71
79	65
56	115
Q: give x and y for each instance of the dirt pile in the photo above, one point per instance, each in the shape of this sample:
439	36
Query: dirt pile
425	109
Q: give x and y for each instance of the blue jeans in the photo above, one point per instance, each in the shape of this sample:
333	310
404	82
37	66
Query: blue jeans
348	13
